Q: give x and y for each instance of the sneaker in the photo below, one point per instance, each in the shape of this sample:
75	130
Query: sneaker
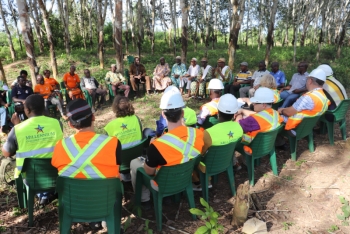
196	187
125	177
44	201
237	166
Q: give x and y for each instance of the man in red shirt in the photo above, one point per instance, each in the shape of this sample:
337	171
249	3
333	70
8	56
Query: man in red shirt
72	82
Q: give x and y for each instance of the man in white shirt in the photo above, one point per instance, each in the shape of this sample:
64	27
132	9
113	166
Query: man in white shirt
190	76
92	86
255	81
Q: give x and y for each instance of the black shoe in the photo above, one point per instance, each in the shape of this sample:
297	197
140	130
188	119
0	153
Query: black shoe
44	201
283	147
95	225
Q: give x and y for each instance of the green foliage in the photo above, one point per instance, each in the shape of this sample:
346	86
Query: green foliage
286	225
333	228
288	177
146	228
210	217
127	223
16	211
346	211
299	162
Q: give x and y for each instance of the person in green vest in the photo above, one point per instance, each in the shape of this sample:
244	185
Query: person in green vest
126	127
35	137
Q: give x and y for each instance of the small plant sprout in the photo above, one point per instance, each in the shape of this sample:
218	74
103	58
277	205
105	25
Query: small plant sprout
346	211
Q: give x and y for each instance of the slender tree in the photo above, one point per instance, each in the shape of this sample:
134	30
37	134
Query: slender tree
153	4
9	37
101	16
184	33
118	33
14	18
269	39
2	73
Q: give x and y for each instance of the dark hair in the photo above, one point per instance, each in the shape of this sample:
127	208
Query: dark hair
317	81
173	115
23	72
217	91
225	117
20	77
262	62
275	64
35	103
122	107
85	123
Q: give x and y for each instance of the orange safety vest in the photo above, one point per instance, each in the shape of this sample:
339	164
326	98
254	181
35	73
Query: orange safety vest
180	145
321	105
276	96
268	120
212	106
94	160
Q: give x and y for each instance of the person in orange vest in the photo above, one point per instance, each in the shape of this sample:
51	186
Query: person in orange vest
312	103
211	108
169	149
262	119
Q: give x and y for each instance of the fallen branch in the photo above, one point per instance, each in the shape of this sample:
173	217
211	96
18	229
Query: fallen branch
178	211
324	188
261	191
273	211
20	227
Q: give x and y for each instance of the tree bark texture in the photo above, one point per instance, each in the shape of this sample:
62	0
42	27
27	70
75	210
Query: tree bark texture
9	37
140	35
184	33
153	4
2	73
35	16
14	18
101	15
269	40
119	34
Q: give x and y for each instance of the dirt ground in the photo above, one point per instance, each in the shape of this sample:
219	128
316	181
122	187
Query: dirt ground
304	198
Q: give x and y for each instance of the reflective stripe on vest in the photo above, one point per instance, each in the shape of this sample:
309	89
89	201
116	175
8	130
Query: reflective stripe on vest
81	158
185	147
130	144
32	153
212	106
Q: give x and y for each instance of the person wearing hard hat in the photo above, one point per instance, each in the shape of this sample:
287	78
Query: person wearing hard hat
262	119
211	108
177	71
333	90
179	145
312	103
189	119
189	77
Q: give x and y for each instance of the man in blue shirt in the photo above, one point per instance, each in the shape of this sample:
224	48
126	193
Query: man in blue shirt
278	74
21	91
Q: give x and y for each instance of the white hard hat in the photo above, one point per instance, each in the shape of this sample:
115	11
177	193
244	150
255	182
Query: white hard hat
326	68
228	104
215	84
318	73
171	100
263	95
172	89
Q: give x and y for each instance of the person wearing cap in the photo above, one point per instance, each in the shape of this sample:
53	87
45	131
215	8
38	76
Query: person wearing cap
262	119
278	74
177	72
211	108
333	89
296	87
255	81
312	103
204	76
160	76
189	119
94	89
243	77
179	145
222	72
72	81
117	80
46	91
34	138
138	74
190	76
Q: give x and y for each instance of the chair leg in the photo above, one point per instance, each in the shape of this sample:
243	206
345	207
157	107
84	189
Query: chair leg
138	189
311	142
204	183
257	162
215	179
231	180
190	199
118	212
330	127
111	221
31	195
66	224
158	210
323	129
250	166
293	147
21	193
273	162
342	125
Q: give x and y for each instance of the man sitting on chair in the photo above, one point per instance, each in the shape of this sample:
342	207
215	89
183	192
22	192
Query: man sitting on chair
116	79
204	76
138	75
177	72
90	84
71	81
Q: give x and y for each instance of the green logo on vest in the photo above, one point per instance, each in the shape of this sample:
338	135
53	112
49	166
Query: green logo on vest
230	135
39	129
124	126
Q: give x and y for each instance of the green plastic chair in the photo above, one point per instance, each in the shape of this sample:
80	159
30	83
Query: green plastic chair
339	115
131	153
276	105
171	180
89	200
65	93
11	107
217	160
304	129
40	177
263	144
88	97
130	59
210	121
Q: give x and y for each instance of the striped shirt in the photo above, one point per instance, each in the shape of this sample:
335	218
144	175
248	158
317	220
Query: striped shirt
243	76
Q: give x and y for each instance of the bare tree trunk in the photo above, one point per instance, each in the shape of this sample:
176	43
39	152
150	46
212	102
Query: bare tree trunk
27	37
2	73
82	21
235	27
126	32
88	9
131	24
101	16
35	16
269	40
246	35
207	16
14	18
49	36
140	36
173	20
260	23
184	35
9	38
118	33
63	12
153	4
295	27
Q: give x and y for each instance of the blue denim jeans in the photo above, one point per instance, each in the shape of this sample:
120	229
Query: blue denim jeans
3	116
288	98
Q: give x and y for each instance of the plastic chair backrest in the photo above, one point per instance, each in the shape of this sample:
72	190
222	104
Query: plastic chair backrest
341	110
63	86
175	179
277	104
264	142
210	121
218	158
131	153
88	198
130	59
9	96
40	174
306	126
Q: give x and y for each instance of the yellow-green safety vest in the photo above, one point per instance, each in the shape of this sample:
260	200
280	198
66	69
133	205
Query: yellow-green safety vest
225	133
127	129
190	117
36	137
